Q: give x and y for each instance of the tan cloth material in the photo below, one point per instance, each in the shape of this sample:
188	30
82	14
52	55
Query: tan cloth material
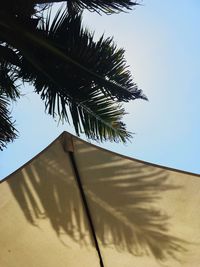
144	215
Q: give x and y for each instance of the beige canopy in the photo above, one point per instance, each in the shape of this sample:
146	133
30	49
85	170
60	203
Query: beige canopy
75	203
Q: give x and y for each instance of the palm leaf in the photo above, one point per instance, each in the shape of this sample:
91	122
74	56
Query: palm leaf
7	130
8	55
93	113
8	79
100	118
100	61
106	6
70	70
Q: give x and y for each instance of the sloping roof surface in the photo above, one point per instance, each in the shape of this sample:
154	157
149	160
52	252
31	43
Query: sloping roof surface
143	215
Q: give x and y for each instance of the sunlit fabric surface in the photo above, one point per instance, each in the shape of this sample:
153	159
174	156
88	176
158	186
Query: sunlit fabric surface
143	215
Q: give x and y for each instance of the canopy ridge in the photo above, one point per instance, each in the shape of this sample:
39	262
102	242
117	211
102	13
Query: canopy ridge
69	148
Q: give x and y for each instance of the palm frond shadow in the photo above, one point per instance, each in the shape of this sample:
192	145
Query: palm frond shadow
123	202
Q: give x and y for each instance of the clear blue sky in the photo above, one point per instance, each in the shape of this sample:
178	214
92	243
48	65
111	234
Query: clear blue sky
162	43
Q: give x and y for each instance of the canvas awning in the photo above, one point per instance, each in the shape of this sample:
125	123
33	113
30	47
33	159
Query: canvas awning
142	214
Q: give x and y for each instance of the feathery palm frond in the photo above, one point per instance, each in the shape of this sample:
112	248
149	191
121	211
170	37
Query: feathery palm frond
100	61
70	70
92	113
8	79
72	73
7	130
8	90
83	91
100	118
28	8
105	6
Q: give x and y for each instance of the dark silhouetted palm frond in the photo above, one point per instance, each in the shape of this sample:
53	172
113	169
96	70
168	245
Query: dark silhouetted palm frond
7	130
8	72
28	8
8	91
74	73
106	6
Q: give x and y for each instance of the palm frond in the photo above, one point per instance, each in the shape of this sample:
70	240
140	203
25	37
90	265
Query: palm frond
61	84
8	79
94	114
98	117
70	70
105	6
7	131
100	61
8	55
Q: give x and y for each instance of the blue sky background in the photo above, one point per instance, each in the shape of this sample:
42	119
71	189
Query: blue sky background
162	43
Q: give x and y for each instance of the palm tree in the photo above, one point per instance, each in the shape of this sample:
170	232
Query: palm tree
73	74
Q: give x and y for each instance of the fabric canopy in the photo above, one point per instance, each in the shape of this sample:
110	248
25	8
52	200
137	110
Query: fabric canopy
75	203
